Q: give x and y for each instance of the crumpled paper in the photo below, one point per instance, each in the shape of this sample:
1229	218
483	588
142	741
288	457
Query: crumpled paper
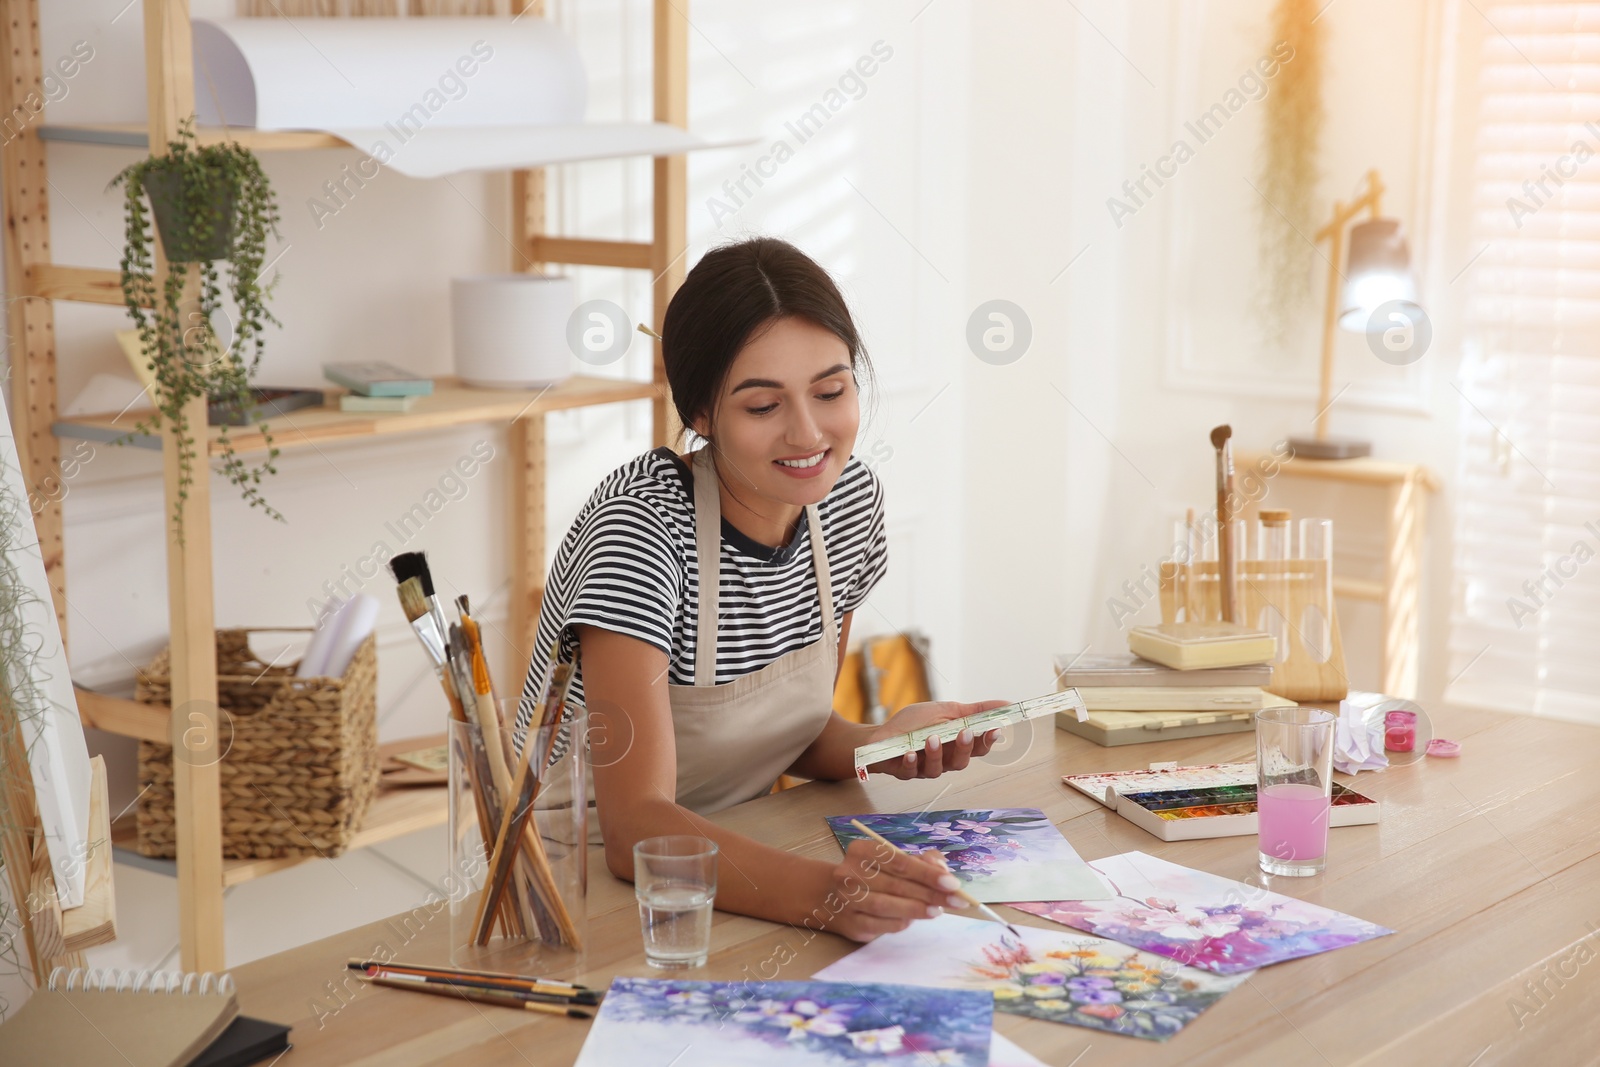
1358	739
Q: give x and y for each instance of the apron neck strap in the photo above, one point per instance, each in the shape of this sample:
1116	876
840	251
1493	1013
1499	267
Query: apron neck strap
708	550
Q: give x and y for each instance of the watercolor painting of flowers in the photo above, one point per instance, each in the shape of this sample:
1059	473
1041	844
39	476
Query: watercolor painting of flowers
1204	920
1058	977
788	1024
999	854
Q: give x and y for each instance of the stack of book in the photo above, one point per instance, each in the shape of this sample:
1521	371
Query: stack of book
377	386
1179	680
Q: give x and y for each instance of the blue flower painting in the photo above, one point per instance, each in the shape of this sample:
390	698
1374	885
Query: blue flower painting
1000	854
788	1024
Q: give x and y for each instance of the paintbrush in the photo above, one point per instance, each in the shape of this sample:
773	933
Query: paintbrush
1190	564
484	704
480	996
415	607
415	565
1226	549
962	893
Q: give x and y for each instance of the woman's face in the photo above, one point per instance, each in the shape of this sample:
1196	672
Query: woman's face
785	423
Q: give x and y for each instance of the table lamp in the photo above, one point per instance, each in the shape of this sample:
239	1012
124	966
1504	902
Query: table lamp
1378	276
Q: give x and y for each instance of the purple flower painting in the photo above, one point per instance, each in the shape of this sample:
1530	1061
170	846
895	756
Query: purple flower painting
787	1024
1204	920
999	854
1043	974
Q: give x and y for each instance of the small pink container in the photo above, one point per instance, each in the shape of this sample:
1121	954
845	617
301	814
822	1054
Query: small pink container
1400	731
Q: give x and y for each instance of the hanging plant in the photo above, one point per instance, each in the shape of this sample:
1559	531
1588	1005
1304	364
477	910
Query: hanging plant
212	202
1292	133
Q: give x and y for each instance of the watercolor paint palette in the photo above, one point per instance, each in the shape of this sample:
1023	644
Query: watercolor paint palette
1215	800
1056	976
1204	920
999	854
789	1024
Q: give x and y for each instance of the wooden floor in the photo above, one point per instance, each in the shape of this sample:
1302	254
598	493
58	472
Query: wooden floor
1488	868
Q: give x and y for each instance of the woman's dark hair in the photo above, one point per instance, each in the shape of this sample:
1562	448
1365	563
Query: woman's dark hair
731	296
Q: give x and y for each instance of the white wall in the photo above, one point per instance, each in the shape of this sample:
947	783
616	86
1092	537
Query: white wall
1183	337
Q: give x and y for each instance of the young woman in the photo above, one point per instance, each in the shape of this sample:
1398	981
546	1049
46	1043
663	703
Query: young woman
710	597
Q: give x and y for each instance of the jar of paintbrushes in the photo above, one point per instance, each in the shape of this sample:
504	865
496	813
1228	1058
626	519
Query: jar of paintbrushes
518	821
518	846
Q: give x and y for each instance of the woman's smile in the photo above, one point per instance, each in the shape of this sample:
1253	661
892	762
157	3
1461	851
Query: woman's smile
806	466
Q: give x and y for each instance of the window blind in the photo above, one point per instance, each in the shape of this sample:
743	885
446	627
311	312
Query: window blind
1526	608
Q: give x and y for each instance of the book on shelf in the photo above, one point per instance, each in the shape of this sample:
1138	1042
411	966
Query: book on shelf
1192	645
360	402
377	379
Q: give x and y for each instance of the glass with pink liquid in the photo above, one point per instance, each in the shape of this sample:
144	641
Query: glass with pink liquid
1294	777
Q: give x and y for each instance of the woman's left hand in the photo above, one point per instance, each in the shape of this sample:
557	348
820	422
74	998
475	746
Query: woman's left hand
934	759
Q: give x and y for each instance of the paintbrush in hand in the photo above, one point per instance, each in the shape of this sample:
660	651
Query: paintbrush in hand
962	893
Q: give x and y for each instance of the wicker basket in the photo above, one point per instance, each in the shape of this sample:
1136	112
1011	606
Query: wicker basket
301	765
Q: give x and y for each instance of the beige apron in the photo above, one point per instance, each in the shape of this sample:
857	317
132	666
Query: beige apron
735	739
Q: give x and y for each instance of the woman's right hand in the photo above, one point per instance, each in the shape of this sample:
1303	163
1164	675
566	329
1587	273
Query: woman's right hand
884	890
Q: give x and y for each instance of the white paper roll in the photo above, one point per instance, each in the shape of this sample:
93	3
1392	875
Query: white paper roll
510	330
400	73
420	96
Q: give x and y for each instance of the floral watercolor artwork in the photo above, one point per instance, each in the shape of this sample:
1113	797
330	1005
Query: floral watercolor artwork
646	1021
1204	920
999	854
1059	977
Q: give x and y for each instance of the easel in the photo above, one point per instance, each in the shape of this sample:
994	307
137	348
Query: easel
54	936
1288	587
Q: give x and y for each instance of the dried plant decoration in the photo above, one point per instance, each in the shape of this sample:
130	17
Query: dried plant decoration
1287	207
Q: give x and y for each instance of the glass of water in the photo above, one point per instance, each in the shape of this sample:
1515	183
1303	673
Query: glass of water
675	882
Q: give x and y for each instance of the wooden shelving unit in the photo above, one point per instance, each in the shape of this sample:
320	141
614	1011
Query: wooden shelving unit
451	404
202	873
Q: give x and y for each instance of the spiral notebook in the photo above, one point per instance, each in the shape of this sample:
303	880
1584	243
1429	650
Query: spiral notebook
146	1019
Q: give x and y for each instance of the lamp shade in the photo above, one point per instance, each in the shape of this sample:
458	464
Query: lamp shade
1379	273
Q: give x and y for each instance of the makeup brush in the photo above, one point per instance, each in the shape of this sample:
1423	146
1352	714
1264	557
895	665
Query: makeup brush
962	893
1221	441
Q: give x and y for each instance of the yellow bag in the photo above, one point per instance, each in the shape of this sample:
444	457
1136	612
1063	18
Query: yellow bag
880	676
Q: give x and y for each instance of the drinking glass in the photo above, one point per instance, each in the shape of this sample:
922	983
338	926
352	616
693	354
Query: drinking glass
1294	780
675	882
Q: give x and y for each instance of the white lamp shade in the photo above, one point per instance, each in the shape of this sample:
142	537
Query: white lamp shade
510	330
1378	273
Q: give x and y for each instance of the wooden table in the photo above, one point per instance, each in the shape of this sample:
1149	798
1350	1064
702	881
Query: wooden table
1488	868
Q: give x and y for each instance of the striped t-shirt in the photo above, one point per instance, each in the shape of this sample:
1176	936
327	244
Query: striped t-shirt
629	564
